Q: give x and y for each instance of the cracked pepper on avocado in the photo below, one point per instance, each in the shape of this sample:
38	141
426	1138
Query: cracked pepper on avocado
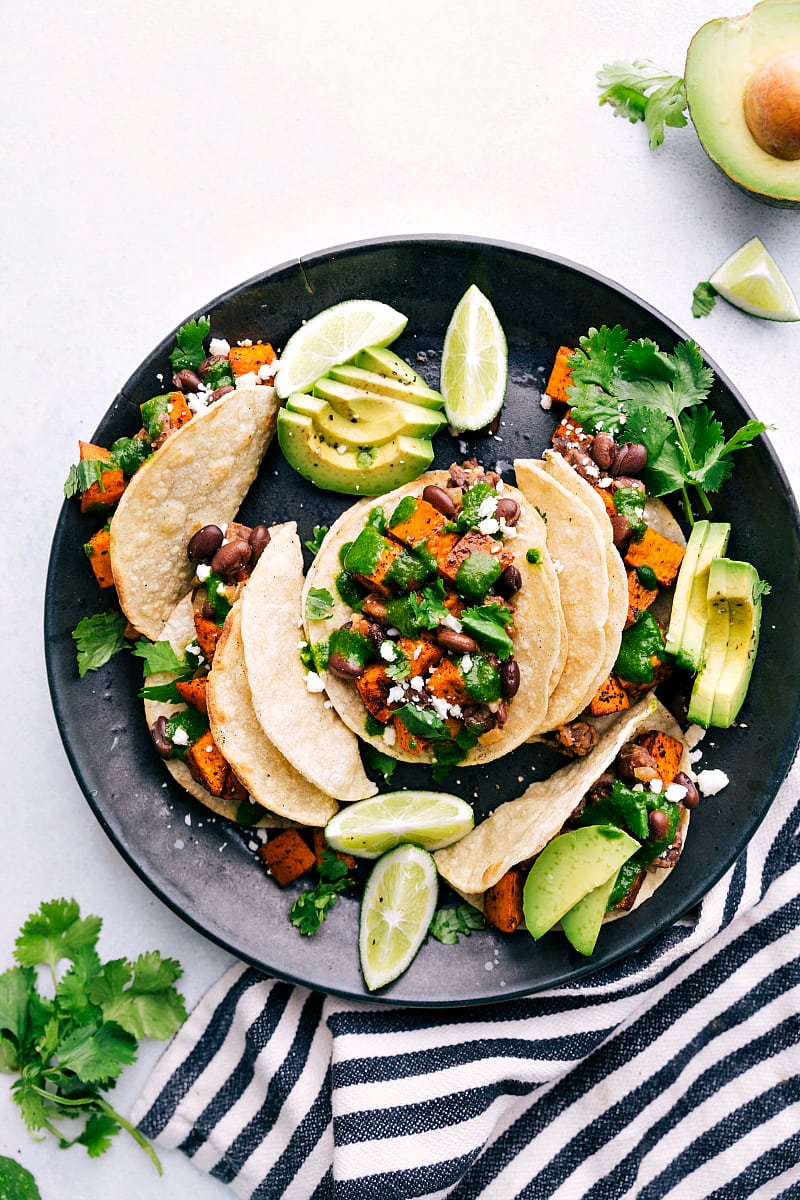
445	621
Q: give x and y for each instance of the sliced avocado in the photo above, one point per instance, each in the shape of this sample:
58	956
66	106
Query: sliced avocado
348	401
743	87
373	425
385	362
582	923
387	385
368	471
570	867
731	642
708	540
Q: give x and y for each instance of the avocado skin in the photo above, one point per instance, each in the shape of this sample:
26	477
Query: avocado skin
722	56
394	463
731	642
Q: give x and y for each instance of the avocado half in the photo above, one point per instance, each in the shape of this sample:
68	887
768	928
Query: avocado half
743	86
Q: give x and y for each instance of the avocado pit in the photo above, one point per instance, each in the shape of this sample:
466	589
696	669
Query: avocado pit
772	106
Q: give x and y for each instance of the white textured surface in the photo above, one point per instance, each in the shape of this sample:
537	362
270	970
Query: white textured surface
155	155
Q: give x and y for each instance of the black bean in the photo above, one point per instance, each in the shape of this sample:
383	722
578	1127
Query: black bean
186	380
259	540
508	510
440	500
509	678
692	797
345	668
454	642
375	607
219	393
629	459
231	557
509	581
635	764
603	448
628	481
208	363
622	533
478	717
375	634
158	732
658	824
205	543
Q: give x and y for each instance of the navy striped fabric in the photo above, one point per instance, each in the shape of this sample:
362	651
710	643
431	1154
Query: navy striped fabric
675	1073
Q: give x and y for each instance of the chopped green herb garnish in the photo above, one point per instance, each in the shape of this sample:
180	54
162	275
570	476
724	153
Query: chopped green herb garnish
160	656
400	666
372	726
313	905
642	91
449	923
487	625
647	577
376	760
319	604
421	722
98	639
129	453
704	297
83	474
534	555
314	543
189	351
404	511
152	412
640	643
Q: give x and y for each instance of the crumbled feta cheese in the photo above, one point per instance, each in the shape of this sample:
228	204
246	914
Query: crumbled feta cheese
466	663
638	787
675	792
302	645
656	785
463	448
605	482
546	402
695	756
245	342
219	347
417	652
267	370
390	735
388	652
417	683
197	401
499	486
314	683
203	571
248	380
712	781
508	531
456	711
396	695
452	622
693	735
440	707
488	507
489	525
188	819
180	737
558	566
495	547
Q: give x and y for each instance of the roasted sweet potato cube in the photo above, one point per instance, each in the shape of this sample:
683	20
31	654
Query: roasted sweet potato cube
320	844
410	742
422	652
502	903
474	542
244	359
193	691
440	545
659	553
610	697
421	525
639	597
208	634
560	375
104	494
448	683
207	765
178	410
286	856
386	552
233	788
666	750
608	499
373	686
97	550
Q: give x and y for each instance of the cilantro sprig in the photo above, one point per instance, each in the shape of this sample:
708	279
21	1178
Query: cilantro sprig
313	905
189	350
70	1048
98	638
656	398
449	923
642	91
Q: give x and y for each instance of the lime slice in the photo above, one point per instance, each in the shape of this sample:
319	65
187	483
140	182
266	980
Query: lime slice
397	908
332	337
474	363
752	281
370	827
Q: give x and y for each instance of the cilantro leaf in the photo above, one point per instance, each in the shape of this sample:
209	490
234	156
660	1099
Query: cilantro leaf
160	656
96	1053
56	931
140	996
762	588
642	91
100	1128
400	666
487	624
313	905
314	543
378	761
83	474
189	351
448	923
98	639
319	604
421	722
704	297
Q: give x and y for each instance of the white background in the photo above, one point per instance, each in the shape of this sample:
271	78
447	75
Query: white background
155	154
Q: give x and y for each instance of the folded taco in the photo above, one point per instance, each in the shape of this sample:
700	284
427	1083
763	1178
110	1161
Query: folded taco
198	477
638	778
434	617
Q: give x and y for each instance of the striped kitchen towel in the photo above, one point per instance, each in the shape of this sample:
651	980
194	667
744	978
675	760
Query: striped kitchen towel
675	1073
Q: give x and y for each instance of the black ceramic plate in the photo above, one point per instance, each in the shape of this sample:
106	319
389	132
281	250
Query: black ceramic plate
213	881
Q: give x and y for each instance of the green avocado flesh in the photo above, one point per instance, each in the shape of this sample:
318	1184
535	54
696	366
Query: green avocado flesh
722	58
373	423
384	361
581	924
387	385
365	471
354	404
731	642
570	867
707	541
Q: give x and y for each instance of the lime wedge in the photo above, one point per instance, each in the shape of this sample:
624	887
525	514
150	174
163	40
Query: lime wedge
752	281
370	827
332	337
474	363
397	908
